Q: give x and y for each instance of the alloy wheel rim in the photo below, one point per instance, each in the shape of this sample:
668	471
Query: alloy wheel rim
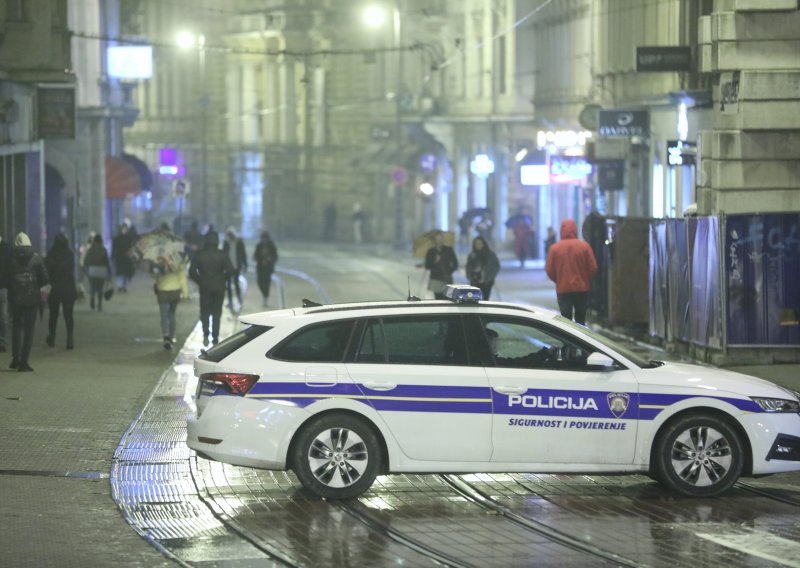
701	456
338	457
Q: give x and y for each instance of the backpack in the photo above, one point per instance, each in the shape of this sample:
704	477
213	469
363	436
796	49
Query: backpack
23	287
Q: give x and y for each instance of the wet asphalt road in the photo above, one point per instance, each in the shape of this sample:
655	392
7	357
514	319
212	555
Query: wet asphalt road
204	513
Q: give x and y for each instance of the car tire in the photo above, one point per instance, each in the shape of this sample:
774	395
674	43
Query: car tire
700	455
336	456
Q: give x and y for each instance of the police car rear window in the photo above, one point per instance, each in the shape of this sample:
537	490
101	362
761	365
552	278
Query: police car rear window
234	342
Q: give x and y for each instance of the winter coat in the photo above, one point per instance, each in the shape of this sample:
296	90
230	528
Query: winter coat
482	267
241	255
120	247
24	256
60	264
171	286
570	261
442	263
96	256
211	268
5	262
265	256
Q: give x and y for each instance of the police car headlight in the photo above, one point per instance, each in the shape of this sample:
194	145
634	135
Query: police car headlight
777	404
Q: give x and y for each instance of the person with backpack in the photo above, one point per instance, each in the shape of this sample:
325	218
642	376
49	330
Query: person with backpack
98	269
26	277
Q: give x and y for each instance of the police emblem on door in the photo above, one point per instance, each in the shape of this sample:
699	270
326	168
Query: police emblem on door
618	403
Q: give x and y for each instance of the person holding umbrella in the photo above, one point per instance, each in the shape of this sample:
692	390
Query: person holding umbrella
442	262
482	266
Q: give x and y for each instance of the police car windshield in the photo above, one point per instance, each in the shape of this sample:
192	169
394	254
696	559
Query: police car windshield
624	351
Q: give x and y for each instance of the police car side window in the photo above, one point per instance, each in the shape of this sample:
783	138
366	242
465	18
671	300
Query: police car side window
431	340
322	343
522	345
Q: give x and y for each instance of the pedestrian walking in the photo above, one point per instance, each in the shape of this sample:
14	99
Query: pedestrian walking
358	224
234	248
5	267
482	266
60	264
211	269
26	278
170	287
193	239
123	263
265	257
98	269
549	241
522	236
329	225
571	265
442	262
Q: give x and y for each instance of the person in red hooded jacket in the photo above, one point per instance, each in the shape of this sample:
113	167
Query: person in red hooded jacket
571	265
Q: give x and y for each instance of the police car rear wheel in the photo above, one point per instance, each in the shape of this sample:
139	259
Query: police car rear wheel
699	455
336	456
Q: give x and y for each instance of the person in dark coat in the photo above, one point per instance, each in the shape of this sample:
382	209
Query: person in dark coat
442	262
26	278
123	263
265	257
5	266
193	239
233	247
60	263
549	241
482	266
98	269
571	265
211	269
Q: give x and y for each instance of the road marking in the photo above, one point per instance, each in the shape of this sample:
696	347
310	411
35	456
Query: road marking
758	543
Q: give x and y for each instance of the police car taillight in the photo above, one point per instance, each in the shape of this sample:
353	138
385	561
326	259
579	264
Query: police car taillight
463	294
235	383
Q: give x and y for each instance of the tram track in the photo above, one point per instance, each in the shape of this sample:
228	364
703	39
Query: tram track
481	499
750	488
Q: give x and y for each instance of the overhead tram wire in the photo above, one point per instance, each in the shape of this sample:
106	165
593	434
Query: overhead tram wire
245	51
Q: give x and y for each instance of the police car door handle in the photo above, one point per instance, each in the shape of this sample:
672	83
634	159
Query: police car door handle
511	390
380	386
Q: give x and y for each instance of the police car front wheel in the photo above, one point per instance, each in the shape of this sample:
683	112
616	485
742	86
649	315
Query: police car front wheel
336	456
699	455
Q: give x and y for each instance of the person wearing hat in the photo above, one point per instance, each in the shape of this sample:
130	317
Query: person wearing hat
26	277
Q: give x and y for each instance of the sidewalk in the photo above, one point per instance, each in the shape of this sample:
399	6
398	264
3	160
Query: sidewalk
60	425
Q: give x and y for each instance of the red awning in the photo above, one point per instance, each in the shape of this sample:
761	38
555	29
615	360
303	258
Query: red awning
122	179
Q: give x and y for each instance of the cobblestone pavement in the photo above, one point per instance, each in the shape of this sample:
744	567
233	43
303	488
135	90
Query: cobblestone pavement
104	425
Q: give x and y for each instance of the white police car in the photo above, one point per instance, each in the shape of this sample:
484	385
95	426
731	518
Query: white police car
342	393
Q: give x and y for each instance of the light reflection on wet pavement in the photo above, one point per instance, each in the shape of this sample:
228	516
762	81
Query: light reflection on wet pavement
201	512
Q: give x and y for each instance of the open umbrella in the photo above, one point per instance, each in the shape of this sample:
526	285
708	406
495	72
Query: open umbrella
476	212
514	219
159	251
426	241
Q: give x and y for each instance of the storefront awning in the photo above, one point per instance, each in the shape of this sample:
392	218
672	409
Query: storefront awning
126	175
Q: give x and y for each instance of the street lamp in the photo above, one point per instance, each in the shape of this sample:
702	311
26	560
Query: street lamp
375	16
187	40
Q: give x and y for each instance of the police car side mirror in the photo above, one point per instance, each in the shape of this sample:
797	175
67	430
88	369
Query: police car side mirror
598	359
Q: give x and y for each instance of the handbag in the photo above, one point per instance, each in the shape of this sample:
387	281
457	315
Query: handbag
108	293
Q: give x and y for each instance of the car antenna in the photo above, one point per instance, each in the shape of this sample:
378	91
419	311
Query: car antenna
310	303
410	297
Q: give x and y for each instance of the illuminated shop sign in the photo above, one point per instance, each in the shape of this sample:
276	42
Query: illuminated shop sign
482	165
623	123
569	170
534	174
562	138
130	61
680	153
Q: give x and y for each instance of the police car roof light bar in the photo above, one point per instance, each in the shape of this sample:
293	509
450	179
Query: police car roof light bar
461	294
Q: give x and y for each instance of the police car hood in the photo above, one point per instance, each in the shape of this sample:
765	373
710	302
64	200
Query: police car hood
712	379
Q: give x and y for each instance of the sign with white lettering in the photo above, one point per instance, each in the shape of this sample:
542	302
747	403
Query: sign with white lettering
623	123
659	59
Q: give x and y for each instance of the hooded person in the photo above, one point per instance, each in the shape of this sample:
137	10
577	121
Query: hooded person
60	264
27	275
571	265
234	248
211	269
